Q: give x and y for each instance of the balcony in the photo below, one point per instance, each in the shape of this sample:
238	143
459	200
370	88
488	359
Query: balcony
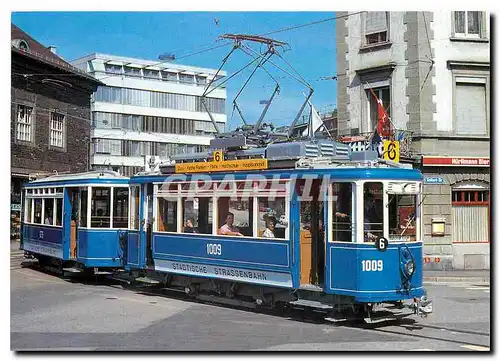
361	142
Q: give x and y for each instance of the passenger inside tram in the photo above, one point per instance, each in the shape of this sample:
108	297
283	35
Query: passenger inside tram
189	226
371	219
270	224
228	229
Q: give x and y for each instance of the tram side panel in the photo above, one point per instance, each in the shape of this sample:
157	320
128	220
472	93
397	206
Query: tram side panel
247	260
370	275
44	240
99	248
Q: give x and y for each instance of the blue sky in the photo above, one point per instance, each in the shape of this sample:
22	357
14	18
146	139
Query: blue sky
147	34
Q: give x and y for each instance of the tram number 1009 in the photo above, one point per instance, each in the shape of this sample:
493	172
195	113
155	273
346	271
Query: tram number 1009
214	249
372	265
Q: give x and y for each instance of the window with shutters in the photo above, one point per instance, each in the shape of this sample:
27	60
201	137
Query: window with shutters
470	215
470	107
376	27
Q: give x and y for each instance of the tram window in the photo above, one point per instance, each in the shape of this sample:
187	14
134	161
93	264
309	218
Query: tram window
27	214
100	216
38	211
83	207
342	224
134	208
49	212
59	209
235	216
373	207
120	207
199	212
167	215
272	220
402	216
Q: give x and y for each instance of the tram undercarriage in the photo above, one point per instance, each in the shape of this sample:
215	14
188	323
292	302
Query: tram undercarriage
333	308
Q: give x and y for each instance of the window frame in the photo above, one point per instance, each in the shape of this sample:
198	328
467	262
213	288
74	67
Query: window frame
331	215
29	125
214	192
483	77
466	35
54	130
387	40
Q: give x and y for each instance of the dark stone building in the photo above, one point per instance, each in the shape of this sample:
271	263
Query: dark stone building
50	113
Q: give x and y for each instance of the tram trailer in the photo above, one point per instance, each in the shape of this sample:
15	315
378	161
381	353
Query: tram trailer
76	223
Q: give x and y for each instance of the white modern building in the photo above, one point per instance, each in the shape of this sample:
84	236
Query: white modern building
149	108
432	72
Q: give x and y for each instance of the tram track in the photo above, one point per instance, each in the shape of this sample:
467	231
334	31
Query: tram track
407	327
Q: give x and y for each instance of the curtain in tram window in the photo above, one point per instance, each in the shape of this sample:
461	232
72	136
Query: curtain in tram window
470	223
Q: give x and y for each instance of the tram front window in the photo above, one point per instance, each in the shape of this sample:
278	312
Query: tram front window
373	218
402	217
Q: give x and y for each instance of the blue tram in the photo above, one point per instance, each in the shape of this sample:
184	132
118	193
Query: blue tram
76	222
308	223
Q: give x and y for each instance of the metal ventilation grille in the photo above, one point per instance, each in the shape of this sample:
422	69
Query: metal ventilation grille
311	150
342	149
327	150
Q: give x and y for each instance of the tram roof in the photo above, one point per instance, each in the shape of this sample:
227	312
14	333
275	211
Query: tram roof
95	176
348	170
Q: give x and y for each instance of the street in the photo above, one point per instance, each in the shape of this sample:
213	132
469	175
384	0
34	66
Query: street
51	313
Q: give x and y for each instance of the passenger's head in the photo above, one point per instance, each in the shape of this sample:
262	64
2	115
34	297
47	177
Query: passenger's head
230	219
270	222
190	223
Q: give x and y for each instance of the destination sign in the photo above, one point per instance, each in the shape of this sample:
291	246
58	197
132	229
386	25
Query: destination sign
223	166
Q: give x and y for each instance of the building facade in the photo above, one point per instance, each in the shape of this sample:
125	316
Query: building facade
149	108
432	72
50	113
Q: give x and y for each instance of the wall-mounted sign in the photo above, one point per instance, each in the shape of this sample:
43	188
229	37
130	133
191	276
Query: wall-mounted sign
15	207
434	180
456	161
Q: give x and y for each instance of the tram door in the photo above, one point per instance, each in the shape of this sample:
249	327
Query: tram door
75	200
312	248
149	225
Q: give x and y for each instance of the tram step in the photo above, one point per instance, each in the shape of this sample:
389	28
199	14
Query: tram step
147	280
309	303
310	287
103	273
73	270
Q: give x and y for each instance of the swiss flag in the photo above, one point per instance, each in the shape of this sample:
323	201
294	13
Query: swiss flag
383	123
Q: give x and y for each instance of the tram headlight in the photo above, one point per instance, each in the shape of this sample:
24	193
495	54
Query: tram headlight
410	267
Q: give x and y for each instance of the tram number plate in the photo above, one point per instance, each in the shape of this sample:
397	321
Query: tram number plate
372	265
214	249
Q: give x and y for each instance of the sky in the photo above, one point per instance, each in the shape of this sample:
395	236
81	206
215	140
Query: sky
146	35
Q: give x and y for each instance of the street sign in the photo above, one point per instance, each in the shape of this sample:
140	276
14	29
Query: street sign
434	180
391	150
218	156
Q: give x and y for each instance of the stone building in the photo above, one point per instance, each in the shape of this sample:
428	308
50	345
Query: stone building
50	113
432	72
